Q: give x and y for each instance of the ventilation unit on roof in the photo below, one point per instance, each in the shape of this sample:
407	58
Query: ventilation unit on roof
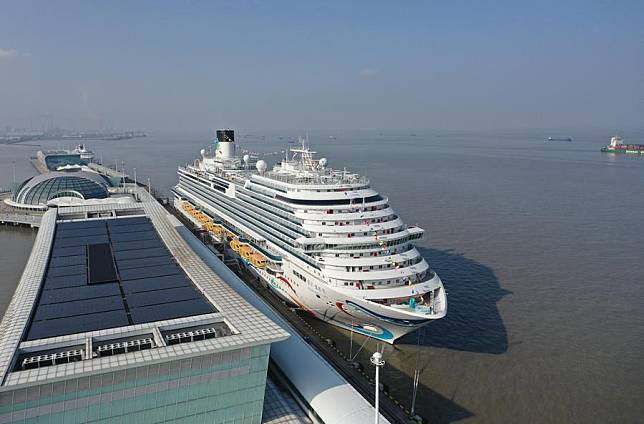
48	359
194	334
116	348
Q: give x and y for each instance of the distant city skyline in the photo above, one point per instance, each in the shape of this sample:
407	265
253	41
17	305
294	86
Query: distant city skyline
196	65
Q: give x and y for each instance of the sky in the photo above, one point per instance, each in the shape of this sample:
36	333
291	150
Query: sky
192	65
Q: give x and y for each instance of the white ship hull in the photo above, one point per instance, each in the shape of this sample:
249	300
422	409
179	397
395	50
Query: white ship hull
339	307
341	310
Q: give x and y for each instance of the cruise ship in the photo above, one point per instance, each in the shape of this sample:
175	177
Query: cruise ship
86	155
322	239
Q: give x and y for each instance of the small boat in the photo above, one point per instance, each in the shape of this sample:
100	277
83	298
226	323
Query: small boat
559	139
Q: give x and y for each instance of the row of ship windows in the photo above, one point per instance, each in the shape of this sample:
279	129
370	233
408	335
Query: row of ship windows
398	281
366	233
355	210
278	187
277	217
214	184
330	202
265	200
259	188
269	185
385	252
260	197
403	264
362	221
372	245
232	208
329	190
300	276
259	228
341	223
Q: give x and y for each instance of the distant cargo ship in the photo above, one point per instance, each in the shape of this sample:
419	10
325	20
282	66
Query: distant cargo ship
617	146
559	139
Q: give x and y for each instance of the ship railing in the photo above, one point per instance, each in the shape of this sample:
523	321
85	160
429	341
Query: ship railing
264	205
314	179
285	222
425	308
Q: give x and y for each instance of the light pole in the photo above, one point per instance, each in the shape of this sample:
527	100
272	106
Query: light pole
134	177
377	360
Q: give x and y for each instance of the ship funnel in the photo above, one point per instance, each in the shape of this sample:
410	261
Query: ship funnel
225	144
224	136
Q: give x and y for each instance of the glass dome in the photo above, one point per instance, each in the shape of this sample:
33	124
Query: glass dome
42	188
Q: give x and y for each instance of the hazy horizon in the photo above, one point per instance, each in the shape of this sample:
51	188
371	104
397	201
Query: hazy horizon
195	66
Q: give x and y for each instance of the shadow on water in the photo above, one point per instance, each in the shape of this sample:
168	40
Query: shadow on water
473	322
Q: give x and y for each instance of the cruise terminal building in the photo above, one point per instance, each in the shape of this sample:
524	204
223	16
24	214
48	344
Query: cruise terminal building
117	319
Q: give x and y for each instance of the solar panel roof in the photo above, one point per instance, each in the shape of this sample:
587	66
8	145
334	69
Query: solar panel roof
141	253
76	225
164	311
131	228
83	232
65	281
100	263
141	263
133	236
67	260
155	283
153	271
67	251
136	244
111	273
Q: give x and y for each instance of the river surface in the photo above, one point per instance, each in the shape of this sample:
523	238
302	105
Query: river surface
539	246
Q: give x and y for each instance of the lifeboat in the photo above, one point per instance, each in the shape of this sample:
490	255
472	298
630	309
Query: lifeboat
202	218
258	260
218	230
246	251
235	245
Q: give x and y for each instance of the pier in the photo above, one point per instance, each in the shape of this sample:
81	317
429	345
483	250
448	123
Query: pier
11	216
360	379
32	221
106	170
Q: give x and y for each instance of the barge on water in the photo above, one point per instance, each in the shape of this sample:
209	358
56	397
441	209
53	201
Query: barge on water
617	146
559	139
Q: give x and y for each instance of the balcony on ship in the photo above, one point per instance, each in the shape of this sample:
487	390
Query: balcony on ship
429	303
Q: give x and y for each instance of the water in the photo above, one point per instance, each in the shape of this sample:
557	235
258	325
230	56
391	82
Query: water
538	244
